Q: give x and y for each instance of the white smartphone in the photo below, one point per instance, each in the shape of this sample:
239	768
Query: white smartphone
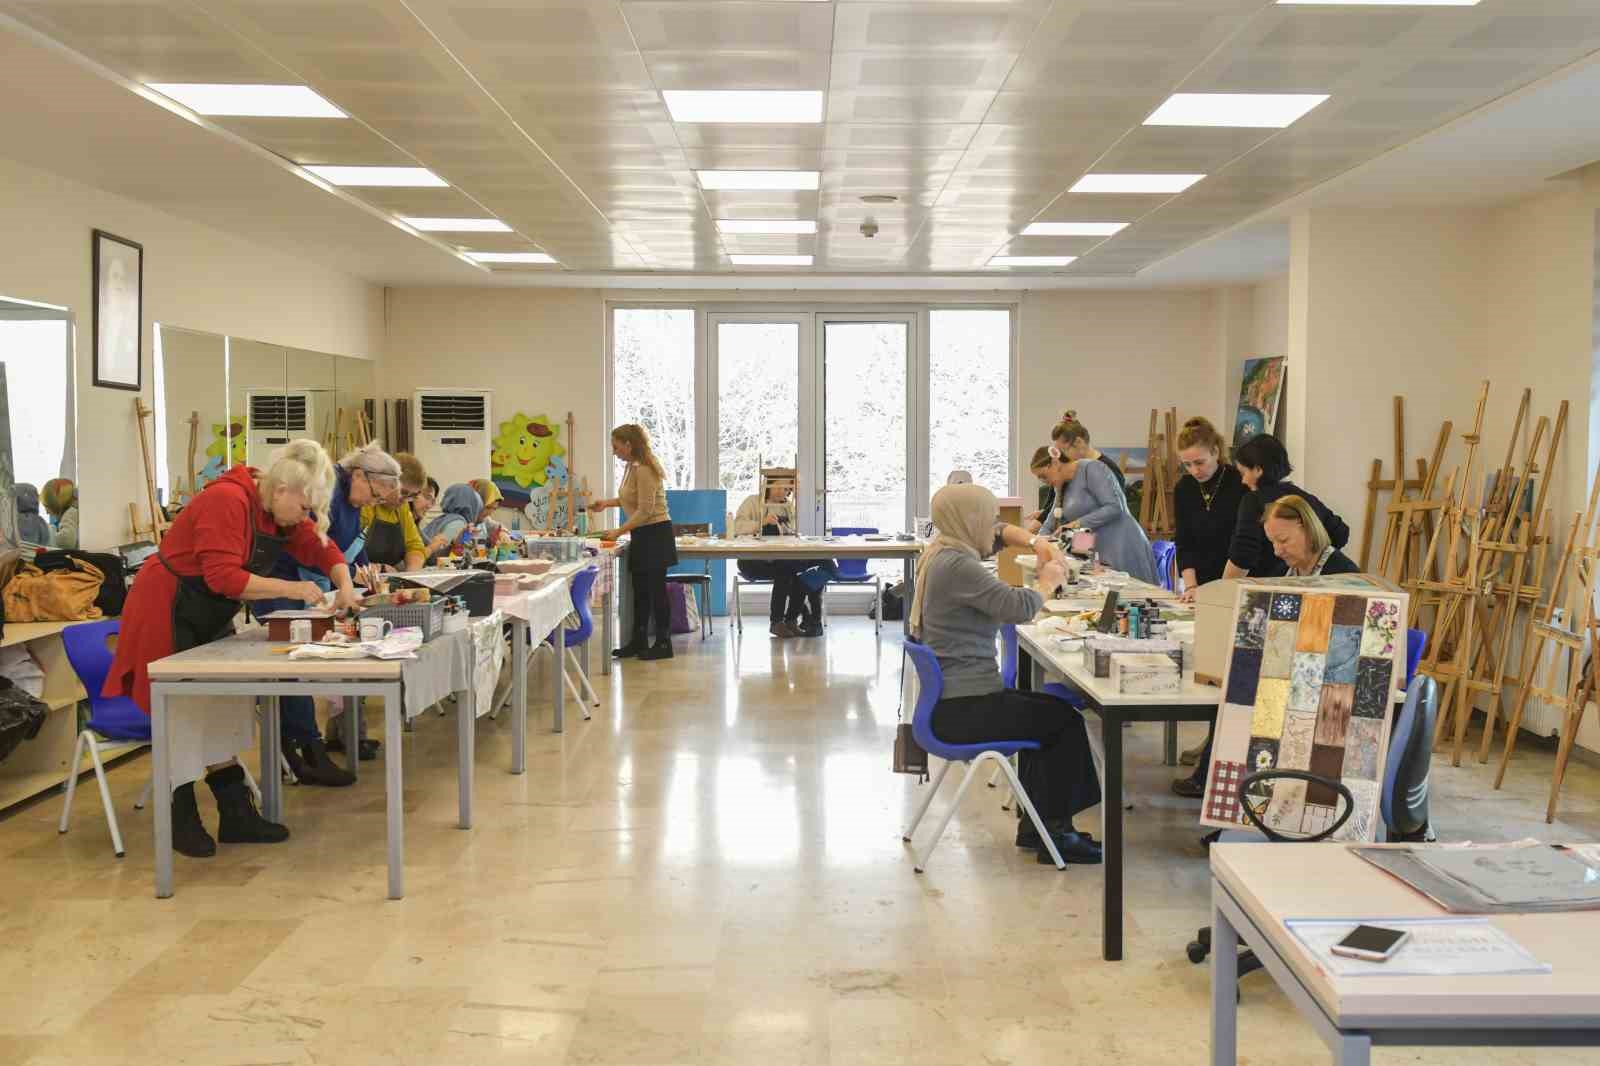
1372	943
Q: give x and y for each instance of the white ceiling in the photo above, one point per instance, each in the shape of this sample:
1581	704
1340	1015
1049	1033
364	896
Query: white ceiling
976	114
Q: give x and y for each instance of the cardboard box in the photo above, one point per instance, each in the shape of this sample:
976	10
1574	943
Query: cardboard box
1214	604
1144	674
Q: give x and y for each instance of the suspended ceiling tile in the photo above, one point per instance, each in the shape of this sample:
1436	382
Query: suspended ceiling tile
739	70
740	26
869	71
982	28
1310	28
1534	32
869	106
1180	150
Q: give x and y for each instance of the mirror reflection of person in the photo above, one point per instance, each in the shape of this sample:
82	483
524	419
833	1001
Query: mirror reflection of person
60	499
119	316
31	526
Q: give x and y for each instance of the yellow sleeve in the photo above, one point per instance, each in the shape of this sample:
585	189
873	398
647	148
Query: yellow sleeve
408	526
368	513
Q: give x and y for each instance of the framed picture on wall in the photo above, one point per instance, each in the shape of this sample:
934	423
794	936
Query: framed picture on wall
118	311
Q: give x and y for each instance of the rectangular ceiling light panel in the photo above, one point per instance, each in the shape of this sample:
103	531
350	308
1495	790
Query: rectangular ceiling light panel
1073	229
249	101
380	177
1135	184
769	107
759	180
1235	110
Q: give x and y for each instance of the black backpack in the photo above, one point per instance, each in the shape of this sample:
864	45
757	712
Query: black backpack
113	591
20	717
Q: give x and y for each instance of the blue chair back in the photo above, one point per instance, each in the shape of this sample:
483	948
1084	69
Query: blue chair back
852	569
1404	799
1416	644
930	687
113	717
582	585
1165	553
1008	655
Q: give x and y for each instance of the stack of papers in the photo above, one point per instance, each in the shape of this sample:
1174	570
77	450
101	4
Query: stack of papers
402	643
1511	878
1438	947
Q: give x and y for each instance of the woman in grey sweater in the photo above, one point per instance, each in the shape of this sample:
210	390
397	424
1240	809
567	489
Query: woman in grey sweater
957	610
1088	498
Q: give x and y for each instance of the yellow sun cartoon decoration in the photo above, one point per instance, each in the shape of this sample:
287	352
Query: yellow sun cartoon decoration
524	450
227	448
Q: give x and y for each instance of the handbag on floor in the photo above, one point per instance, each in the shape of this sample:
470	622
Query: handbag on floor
909	756
20	717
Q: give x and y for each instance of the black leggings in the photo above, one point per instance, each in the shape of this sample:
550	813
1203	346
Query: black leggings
1060	777
788	596
650	598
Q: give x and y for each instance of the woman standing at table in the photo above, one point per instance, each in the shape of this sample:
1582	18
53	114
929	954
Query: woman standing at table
957	610
652	550
219	552
1071	439
1205	505
1263	464
1091	502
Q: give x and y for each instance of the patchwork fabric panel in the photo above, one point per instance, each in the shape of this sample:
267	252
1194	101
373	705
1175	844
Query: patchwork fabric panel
1243	675
1363	814
1325	762
1251	630
1333	715
1317	818
1277	658
1373	677
1272	702
1284	809
1380	635
1286	607
1222	798
1350	611
1344	648
1361	750
1305	683
1263	756
1316	619
1294	748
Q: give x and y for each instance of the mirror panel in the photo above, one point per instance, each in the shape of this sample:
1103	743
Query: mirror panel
191	411
38	426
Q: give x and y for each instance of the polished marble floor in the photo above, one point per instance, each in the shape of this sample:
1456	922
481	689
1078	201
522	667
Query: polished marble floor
710	871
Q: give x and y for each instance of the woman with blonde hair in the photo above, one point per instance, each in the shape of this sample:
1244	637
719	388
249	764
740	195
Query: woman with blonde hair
1299	539
60	498
957	610
222	550
1205	505
652	549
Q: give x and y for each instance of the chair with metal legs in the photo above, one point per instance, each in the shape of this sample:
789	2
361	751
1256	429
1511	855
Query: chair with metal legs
930	682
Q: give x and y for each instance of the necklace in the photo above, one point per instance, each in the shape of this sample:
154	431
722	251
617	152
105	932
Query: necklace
1216	486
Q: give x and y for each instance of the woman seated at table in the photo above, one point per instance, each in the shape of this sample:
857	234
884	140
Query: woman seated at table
1089	501
956	611
1298	538
791	613
461	510
1263	465
219	552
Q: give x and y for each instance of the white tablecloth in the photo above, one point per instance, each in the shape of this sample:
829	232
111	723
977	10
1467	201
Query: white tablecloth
543	609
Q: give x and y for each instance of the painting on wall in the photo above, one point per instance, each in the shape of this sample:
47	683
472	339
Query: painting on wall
1133	462
1260	398
1311	674
118	277
527	458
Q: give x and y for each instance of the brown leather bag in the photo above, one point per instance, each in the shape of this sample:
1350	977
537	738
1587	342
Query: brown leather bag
66	595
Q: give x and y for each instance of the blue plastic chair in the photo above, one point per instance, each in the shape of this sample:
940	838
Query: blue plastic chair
929	688
855	572
1165	553
582	585
111	718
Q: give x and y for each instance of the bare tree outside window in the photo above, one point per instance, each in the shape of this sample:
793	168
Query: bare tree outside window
758	402
969	397
653	384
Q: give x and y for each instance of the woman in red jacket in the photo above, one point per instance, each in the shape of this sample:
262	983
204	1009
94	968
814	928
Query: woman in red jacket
216	555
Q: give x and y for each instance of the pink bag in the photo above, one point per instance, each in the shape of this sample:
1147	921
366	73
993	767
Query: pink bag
1082	542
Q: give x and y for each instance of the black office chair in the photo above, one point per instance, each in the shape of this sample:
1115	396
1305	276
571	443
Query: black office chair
1403	802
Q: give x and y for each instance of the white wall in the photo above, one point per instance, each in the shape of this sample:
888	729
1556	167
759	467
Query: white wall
194	276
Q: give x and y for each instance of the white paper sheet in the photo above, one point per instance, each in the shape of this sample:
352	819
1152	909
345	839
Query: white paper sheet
402	643
1438	947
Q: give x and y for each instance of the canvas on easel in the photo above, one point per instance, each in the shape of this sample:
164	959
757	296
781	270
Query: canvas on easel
1312	672
1260	396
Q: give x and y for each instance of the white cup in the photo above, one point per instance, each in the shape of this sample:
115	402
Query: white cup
375	628
300	631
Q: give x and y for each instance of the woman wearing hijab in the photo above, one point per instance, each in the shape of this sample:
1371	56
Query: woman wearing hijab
957	610
461	508
1088	500
31	526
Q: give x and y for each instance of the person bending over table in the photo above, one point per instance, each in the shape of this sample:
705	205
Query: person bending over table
460	508
1263	465
220	551
390	529
1297	537
957	611
653	549
795	611
1090	501
1071	439
368	475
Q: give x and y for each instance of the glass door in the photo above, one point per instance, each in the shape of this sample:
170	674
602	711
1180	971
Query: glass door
755	364
865	363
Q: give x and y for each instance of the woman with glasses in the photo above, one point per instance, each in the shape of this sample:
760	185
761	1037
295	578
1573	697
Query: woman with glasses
390	529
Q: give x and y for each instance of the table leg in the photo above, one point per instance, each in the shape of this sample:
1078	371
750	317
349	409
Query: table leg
1353	1050
607	623
558	688
272	761
1111	819
161	789
352	737
1224	987
519	695
1170	742
393	794
466	737
1026	679
911	592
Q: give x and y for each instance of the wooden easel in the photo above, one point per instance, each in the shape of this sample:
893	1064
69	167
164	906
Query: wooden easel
1572	598
158	525
194	444
1409	521
572	482
1156	508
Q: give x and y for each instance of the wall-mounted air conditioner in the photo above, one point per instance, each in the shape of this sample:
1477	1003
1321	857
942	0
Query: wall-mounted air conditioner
274	417
451	431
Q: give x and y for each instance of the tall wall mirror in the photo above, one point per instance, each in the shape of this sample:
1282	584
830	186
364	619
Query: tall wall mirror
191	404
38	426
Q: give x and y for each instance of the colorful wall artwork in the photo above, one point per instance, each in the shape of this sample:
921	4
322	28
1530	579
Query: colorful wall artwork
525	456
1311	676
228	447
1260	395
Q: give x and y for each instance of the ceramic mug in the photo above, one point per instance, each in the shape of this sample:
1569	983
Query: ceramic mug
375	628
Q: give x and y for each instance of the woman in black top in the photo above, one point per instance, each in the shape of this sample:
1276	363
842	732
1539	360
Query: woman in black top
1206	504
1297	537
1263	464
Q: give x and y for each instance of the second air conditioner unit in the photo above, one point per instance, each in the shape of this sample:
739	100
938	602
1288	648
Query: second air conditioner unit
451	433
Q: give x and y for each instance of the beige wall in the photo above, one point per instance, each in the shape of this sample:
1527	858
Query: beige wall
194	276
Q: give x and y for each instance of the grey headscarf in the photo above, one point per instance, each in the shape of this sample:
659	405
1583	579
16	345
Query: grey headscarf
31	525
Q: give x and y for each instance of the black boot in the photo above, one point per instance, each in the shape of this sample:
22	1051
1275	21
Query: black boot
1028	836
311	765
241	823
1076	848
661	649
635	645
189	836
811	620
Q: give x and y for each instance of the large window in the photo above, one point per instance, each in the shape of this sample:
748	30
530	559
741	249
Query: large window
758	402
969	397
652	383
